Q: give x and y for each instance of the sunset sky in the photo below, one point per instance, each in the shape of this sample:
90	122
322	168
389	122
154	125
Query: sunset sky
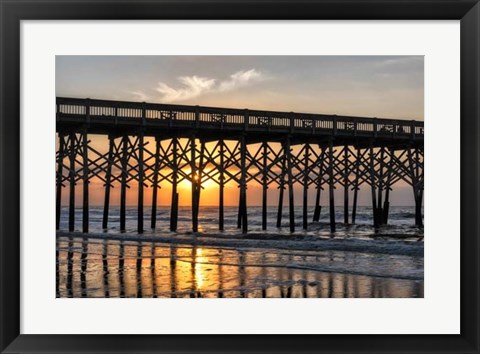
370	86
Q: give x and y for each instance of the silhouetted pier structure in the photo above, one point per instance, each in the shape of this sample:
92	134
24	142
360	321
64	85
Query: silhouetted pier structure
333	151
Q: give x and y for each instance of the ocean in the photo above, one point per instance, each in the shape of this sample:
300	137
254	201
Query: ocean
355	261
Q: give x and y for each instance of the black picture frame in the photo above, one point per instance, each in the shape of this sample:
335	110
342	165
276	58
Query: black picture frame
14	11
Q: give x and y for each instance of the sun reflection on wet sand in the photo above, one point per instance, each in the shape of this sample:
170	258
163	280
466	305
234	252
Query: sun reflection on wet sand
107	268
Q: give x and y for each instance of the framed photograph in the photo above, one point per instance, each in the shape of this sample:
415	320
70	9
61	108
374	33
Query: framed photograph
239	176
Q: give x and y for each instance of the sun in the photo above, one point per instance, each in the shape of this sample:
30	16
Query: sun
206	182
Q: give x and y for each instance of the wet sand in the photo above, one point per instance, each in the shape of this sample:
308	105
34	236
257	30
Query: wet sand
97	268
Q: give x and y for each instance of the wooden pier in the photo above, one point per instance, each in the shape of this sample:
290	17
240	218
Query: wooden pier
282	149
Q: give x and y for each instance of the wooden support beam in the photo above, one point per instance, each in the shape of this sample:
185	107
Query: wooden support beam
198	180
281	188
221	186
155	186
417	164
386	204
291	205
418	208
240	209
373	188
318	207
108	177
123	182
71	210
141	176
419	199
346	174
174	204
85	175
61	148
355	185
264	185
243	186
305	186
417	191
381	176
200	175
331	186
194	179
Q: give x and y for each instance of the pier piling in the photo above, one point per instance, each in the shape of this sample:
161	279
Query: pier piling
194	179
72	175
331	186
58	202
140	183
345	184
373	188
123	182
264	185
291	205
155	186
305	186
174	203
221	185
281	188
355	185
386	203
108	177
85	175
243	183
318	207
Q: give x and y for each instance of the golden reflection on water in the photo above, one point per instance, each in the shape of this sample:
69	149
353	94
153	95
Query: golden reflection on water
199	268
94	268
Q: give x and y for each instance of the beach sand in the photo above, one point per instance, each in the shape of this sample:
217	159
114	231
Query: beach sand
193	266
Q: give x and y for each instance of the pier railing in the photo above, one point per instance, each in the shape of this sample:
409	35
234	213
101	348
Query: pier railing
236	119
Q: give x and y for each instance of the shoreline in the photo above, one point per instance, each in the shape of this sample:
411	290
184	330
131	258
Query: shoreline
266	241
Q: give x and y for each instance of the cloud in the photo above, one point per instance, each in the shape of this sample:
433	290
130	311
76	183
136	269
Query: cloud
401	60
240	79
140	96
195	86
